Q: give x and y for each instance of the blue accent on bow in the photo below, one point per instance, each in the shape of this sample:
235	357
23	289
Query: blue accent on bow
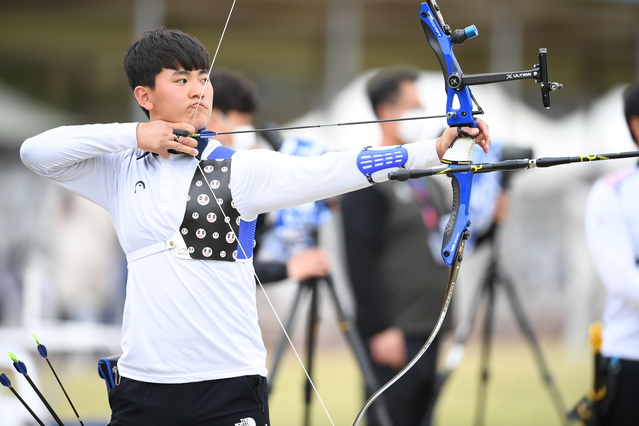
459	112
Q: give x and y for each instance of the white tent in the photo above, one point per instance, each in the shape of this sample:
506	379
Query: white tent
21	117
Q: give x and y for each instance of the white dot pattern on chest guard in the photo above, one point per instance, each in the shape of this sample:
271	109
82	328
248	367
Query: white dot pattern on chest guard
200	227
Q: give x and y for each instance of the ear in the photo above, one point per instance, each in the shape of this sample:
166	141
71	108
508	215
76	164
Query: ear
143	96
634	127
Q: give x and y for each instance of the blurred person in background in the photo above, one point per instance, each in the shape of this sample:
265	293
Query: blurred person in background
192	347
235	104
612	232
392	236
87	267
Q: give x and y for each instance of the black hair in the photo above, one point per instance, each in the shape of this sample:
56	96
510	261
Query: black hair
161	49
384	86
631	105
234	92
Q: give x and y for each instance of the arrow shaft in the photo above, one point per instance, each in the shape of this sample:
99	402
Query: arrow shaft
315	126
64	390
44	400
36	418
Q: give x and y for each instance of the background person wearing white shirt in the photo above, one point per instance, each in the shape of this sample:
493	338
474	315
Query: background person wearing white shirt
192	348
612	231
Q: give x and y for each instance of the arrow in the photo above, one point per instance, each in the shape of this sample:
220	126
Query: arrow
4	380
22	369
42	350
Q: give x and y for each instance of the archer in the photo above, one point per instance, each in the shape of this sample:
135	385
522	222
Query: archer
192	348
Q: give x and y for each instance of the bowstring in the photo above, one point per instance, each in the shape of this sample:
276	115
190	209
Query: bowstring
268	299
217	49
227	220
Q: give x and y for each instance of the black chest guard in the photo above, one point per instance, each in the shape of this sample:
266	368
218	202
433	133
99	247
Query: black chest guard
212	228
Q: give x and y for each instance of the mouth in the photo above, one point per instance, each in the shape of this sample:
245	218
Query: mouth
198	105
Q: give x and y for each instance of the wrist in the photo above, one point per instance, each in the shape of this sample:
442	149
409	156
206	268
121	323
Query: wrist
440	148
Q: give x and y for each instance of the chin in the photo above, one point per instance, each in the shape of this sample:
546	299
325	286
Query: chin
201	121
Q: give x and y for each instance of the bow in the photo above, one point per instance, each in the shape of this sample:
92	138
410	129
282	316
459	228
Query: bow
460	112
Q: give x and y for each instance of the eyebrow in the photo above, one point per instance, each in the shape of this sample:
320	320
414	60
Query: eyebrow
185	72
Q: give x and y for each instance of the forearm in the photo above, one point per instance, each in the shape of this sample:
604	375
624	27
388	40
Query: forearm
55	153
270	271
82	159
264	181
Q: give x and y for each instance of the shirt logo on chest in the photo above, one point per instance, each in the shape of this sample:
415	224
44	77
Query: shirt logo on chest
139	185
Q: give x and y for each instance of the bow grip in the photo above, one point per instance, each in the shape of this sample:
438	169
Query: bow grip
459	220
459	153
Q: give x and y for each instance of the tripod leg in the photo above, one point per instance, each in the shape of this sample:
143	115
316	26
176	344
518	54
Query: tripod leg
313	323
526	329
485	352
281	344
359	350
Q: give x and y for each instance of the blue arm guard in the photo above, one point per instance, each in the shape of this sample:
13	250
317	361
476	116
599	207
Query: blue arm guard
370	160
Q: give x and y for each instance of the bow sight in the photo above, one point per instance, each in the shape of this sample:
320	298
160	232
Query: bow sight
441	39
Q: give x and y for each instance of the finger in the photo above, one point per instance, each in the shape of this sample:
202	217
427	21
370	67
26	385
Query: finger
184	149
481	124
182	129
188	141
187	145
483	142
471	131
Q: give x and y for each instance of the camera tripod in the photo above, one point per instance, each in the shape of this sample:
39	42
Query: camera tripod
492	280
352	336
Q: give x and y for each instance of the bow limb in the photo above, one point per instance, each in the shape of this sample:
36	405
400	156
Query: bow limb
452	280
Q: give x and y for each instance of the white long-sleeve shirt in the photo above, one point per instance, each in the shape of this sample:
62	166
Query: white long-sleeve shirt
612	231
187	320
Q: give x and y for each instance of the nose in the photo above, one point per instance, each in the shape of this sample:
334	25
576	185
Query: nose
197	90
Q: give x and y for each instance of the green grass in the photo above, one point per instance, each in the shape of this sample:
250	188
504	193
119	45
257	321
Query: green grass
516	393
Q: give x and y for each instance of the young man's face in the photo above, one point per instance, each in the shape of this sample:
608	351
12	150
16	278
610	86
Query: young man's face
176	97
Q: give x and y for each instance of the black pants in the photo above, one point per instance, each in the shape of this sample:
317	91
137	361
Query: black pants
624	408
409	398
238	401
